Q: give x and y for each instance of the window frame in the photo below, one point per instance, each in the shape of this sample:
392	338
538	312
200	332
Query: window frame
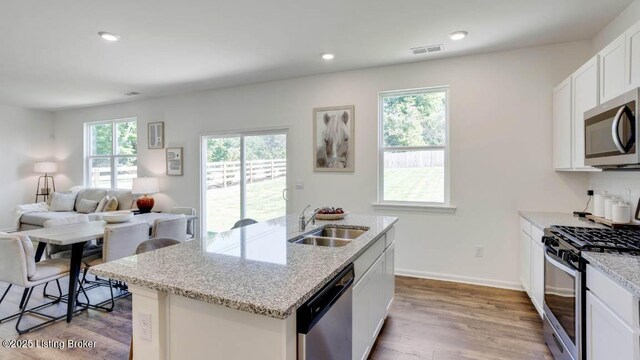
113	157
382	149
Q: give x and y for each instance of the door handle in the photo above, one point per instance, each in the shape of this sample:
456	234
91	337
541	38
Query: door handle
624	110
284	194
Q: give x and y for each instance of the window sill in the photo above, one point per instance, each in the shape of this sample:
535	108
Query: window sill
446	209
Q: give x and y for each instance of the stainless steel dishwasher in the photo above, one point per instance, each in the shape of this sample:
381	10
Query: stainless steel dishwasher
325	322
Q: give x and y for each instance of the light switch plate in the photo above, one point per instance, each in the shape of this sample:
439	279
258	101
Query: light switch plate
299	184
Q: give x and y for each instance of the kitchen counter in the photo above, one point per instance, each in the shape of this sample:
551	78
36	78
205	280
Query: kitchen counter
253	269
543	220
624	269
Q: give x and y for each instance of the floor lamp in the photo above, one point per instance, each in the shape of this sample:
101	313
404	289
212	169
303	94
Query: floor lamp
46	168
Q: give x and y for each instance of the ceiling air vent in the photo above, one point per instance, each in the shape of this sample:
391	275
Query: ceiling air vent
427	49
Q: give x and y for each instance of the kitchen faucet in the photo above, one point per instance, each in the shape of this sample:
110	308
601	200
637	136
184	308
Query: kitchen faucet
303	222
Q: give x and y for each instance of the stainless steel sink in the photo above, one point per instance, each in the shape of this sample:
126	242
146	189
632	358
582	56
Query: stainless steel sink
339	233
322	241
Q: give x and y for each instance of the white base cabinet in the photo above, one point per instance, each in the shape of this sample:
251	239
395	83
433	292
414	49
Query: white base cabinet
613	328
532	263
608	336
372	293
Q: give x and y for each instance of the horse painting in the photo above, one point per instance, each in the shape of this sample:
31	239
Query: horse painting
334	142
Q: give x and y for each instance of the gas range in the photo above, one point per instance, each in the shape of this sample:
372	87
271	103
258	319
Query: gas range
596	239
565	282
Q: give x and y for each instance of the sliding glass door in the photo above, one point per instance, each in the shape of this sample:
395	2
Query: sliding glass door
245	176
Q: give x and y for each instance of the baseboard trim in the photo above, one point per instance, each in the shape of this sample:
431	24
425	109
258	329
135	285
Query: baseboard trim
461	279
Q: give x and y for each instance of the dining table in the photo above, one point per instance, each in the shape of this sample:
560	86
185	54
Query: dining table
77	235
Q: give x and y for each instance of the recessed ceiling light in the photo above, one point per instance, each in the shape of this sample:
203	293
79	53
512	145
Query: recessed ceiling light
458	35
328	56
108	36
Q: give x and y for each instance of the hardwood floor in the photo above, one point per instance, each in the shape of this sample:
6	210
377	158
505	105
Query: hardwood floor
443	320
429	320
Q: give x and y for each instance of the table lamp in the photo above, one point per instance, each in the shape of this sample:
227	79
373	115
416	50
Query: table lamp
145	186
46	168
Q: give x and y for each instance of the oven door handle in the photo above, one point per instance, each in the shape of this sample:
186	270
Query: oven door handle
559	265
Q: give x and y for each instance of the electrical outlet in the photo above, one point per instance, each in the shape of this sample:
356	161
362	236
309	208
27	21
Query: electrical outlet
144	320
479	251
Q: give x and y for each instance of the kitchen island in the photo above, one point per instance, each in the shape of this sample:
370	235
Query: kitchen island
235	295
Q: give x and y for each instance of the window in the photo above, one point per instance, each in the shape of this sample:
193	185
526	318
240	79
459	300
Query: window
414	147
111	149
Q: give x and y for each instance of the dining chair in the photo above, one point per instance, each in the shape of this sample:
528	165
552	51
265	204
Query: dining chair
155	244
119	241
172	228
18	267
64	251
243	223
188	211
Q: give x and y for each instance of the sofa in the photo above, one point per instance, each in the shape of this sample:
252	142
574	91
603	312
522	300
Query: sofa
35	220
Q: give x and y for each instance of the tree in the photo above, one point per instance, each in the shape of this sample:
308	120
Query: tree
414	120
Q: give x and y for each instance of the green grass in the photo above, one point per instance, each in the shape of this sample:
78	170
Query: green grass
414	184
264	199
264	202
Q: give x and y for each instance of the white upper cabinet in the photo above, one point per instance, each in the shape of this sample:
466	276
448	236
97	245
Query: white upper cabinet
632	67
585	97
612	69
562	137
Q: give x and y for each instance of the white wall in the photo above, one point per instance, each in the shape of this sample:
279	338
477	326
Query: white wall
25	137
617	26
500	149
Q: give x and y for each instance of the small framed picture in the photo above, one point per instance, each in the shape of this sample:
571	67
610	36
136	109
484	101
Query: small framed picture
174	161
334	139
156	135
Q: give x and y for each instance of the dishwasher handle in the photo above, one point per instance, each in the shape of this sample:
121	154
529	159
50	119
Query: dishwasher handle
314	309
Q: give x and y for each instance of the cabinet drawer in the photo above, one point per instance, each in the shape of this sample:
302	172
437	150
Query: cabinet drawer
621	301
525	225
364	262
536	236
390	236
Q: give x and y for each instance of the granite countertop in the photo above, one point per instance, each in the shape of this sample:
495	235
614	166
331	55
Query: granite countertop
624	269
543	220
254	269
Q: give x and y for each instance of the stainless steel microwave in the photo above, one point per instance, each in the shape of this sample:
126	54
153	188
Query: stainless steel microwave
611	133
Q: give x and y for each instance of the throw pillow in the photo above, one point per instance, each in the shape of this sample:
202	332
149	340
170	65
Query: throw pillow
111	205
62	202
87	206
101	204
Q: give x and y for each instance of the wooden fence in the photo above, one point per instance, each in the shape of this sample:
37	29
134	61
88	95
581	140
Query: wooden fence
413	159
101	176
227	173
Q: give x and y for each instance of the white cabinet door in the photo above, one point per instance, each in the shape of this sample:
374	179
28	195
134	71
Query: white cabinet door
632	68
378	307
562	126
361	322
537	276
585	97
612	69
525	262
608	337
389	277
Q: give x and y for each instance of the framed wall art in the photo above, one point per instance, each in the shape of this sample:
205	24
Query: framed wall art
174	161
334	139
156	135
